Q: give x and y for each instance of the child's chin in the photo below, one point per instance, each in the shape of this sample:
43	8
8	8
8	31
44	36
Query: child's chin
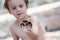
19	17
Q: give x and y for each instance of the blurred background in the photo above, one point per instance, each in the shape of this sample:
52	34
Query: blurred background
48	12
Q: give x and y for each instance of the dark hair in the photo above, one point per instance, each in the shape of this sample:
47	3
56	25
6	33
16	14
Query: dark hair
6	3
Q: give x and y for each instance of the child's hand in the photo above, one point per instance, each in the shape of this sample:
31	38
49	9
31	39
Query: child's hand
32	35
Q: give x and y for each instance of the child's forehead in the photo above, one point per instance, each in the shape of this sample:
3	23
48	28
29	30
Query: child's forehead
16	1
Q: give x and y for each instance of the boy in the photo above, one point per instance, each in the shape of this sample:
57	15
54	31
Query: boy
34	31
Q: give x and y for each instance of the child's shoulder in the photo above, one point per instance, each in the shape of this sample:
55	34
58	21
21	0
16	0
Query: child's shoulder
33	18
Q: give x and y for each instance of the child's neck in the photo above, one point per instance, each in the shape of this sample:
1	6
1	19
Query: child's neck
20	20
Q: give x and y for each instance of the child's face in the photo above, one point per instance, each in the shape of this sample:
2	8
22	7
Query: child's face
17	8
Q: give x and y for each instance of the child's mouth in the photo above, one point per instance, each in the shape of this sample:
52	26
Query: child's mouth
19	14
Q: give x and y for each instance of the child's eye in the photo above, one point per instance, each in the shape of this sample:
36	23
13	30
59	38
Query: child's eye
14	8
21	6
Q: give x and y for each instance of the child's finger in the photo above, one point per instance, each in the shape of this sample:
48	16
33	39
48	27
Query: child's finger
29	29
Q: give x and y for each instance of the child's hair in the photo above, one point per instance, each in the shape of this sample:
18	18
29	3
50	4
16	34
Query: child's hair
6	3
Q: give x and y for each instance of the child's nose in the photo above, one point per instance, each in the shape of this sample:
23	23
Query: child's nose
18	9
